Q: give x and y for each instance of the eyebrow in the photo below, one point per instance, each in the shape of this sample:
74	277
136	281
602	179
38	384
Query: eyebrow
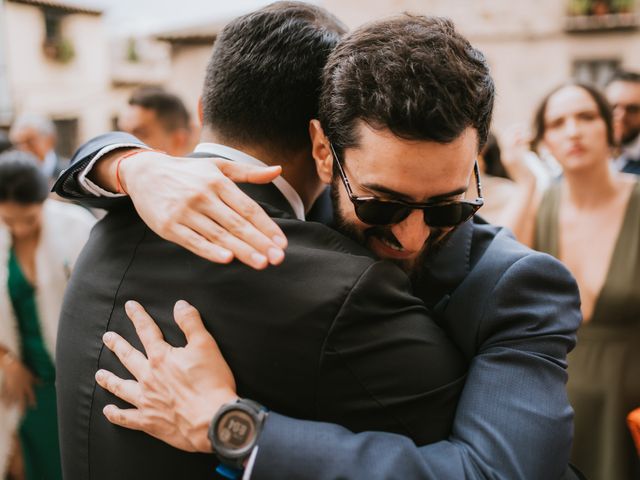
593	110
374	187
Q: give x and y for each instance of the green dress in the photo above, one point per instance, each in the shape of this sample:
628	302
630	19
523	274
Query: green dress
39	428
604	368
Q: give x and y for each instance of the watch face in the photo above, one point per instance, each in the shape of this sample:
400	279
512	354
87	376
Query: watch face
236	429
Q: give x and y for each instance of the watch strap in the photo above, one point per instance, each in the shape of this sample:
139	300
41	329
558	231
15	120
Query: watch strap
229	472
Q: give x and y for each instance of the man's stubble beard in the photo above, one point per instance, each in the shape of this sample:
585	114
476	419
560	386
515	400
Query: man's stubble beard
435	242
630	137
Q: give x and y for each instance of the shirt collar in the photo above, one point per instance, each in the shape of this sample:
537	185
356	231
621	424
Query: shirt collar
237	156
632	150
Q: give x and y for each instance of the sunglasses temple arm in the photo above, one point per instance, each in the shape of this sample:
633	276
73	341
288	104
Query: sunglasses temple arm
342	172
476	170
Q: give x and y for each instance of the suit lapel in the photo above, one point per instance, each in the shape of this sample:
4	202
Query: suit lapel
443	272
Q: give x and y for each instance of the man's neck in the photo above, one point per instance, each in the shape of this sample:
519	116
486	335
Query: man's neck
298	169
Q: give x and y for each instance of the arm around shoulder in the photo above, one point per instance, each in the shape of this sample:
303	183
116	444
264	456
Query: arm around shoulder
68	184
514	419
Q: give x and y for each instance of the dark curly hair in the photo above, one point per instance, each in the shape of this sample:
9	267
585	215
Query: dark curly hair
21	180
414	75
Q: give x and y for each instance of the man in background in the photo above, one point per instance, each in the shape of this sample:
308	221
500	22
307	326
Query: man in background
36	134
159	119
623	93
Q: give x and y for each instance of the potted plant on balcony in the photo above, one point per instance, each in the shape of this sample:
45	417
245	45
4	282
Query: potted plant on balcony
579	7
622	6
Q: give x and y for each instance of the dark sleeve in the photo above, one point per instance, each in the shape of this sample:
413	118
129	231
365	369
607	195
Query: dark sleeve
386	365
513	421
68	186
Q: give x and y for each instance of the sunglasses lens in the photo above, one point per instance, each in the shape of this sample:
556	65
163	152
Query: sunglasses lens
448	215
373	212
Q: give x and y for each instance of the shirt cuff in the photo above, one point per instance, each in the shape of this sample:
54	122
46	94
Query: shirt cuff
250	464
91	188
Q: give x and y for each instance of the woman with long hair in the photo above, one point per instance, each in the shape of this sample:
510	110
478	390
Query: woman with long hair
590	219
40	240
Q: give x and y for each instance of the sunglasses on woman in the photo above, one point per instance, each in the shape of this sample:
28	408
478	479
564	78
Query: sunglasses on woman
378	211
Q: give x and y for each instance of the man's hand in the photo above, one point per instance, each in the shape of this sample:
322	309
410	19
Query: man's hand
195	203
177	391
515	149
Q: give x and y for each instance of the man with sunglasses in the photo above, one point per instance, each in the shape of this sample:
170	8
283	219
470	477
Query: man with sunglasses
398	145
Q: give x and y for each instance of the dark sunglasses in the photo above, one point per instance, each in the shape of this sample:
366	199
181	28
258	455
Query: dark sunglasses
377	211
631	109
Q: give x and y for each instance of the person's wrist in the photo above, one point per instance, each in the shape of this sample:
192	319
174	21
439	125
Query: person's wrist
525	178
202	443
124	166
234	433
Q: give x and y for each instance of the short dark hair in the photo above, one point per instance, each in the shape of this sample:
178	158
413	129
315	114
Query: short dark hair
263	80
624	76
170	110
21	180
413	75
604	109
492	156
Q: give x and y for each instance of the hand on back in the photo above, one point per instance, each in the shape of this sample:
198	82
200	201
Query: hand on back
195	203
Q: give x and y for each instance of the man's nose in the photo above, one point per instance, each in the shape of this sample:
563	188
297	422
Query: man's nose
412	232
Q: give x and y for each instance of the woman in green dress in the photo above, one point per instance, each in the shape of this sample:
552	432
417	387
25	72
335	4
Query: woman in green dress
39	242
590	220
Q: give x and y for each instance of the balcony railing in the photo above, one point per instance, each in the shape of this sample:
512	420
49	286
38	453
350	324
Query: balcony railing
601	15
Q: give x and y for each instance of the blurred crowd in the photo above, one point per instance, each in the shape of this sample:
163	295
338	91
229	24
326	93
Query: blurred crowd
567	186
40	239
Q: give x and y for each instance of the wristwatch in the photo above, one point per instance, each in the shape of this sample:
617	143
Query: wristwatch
234	431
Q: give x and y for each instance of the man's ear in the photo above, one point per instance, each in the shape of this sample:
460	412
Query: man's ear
200	112
321	151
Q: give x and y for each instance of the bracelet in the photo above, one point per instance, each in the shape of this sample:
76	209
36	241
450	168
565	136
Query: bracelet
119	188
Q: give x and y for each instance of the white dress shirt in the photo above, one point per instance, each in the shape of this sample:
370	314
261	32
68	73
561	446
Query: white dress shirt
214	149
630	151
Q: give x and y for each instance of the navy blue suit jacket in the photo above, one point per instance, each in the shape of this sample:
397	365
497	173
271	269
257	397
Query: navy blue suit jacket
514	314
